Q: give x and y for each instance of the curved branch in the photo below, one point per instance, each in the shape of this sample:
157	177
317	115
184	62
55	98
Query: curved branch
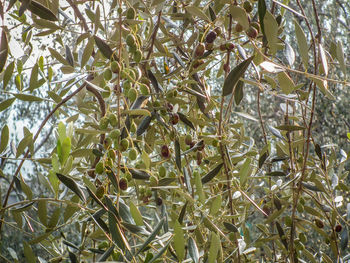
79	15
34	139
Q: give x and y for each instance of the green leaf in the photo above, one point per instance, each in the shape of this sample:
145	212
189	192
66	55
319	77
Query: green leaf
238	92
178	154
179	241
89	48
103	47
136	112
116	233
276	173
239	15
139	174
193	250
209	176
263	158
136	215
160	253
182	213
146	159
26	190
8	74
344	238
4	139
58	56
152	236
143	126
276	132
309	256
95	198
72	185
322	85
286	83
40	238
234	76
185	120
22	208
195	11
216	205
340	57
23	145
245	171
271	31
212	14
69	56
26	97
290	128
106	254
230	227
302	44
28	253
262	12
41	11
42	212
6	103
199	187
282	235
54	218
323	59
214	247
4	50
65	150
34	77
43	23
290	54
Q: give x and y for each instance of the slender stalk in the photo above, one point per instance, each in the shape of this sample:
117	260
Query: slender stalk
222	149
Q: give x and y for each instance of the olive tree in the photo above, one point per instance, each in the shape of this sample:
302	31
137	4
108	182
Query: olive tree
164	146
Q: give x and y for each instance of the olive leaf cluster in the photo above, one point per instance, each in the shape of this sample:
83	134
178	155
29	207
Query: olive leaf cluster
157	156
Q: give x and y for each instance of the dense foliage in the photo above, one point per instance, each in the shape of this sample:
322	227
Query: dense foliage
173	131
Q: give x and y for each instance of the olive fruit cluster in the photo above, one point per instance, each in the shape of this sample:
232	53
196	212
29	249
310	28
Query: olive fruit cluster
145	194
110	118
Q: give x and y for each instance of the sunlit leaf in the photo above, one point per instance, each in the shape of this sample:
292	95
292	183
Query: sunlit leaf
8	74
271	29
323	59
195	11
179	241
214	247
26	97
290	54
4	50
340	57
4	139
239	15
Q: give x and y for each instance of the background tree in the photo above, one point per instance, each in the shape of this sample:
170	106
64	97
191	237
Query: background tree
184	131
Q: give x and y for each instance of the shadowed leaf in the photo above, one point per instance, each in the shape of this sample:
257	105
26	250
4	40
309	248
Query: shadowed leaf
72	185
41	11
234	76
209	176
